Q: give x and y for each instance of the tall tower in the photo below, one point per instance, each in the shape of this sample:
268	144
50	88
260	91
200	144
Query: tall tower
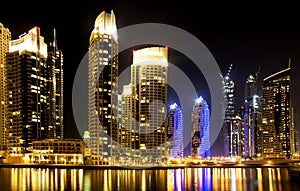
56	84
276	115
252	118
127	140
28	91
5	37
103	87
201	126
237	135
227	128
149	92
175	123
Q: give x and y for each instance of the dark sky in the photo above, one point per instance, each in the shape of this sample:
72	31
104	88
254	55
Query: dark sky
248	35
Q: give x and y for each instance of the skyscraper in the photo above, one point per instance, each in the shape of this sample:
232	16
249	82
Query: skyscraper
5	37
56	85
28	87
127	140
201	125
149	93
276	115
227	128
252	118
237	136
103	87
175	124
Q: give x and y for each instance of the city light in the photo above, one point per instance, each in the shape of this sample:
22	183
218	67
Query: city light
134	138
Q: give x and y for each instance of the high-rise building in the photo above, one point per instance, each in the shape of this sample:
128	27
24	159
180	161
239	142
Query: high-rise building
229	91
103	87
127	137
29	89
5	37
175	124
252	118
277	116
56	85
149	99
237	136
127	140
201	127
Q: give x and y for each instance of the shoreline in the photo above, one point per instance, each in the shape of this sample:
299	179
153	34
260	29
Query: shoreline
112	167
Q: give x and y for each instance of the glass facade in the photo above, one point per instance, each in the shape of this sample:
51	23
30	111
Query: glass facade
229	89
201	125
175	125
5	37
276	116
103	88
145	130
29	89
56	84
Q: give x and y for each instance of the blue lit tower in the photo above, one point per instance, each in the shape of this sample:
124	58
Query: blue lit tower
175	123
200	146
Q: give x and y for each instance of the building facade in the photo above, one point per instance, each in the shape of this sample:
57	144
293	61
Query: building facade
201	129
28	91
227	128
34	101
237	137
103	87
56	85
5	37
126	136
56	151
175	127
276	115
252	118
148	104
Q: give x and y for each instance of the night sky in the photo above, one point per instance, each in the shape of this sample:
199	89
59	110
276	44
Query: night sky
249	36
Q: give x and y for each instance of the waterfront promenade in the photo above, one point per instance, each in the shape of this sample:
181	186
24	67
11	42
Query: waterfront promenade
211	164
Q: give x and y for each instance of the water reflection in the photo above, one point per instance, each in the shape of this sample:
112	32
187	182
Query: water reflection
219	179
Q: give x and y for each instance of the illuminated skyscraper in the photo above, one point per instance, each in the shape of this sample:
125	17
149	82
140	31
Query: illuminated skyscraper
252	118
56	85
227	128
276	115
201	125
127	140
29	90
103	87
5	37
149	93
175	124
237	136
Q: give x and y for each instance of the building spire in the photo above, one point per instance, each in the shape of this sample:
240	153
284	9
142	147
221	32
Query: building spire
54	39
290	62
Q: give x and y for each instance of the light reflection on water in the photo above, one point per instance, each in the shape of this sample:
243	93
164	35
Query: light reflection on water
219	179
